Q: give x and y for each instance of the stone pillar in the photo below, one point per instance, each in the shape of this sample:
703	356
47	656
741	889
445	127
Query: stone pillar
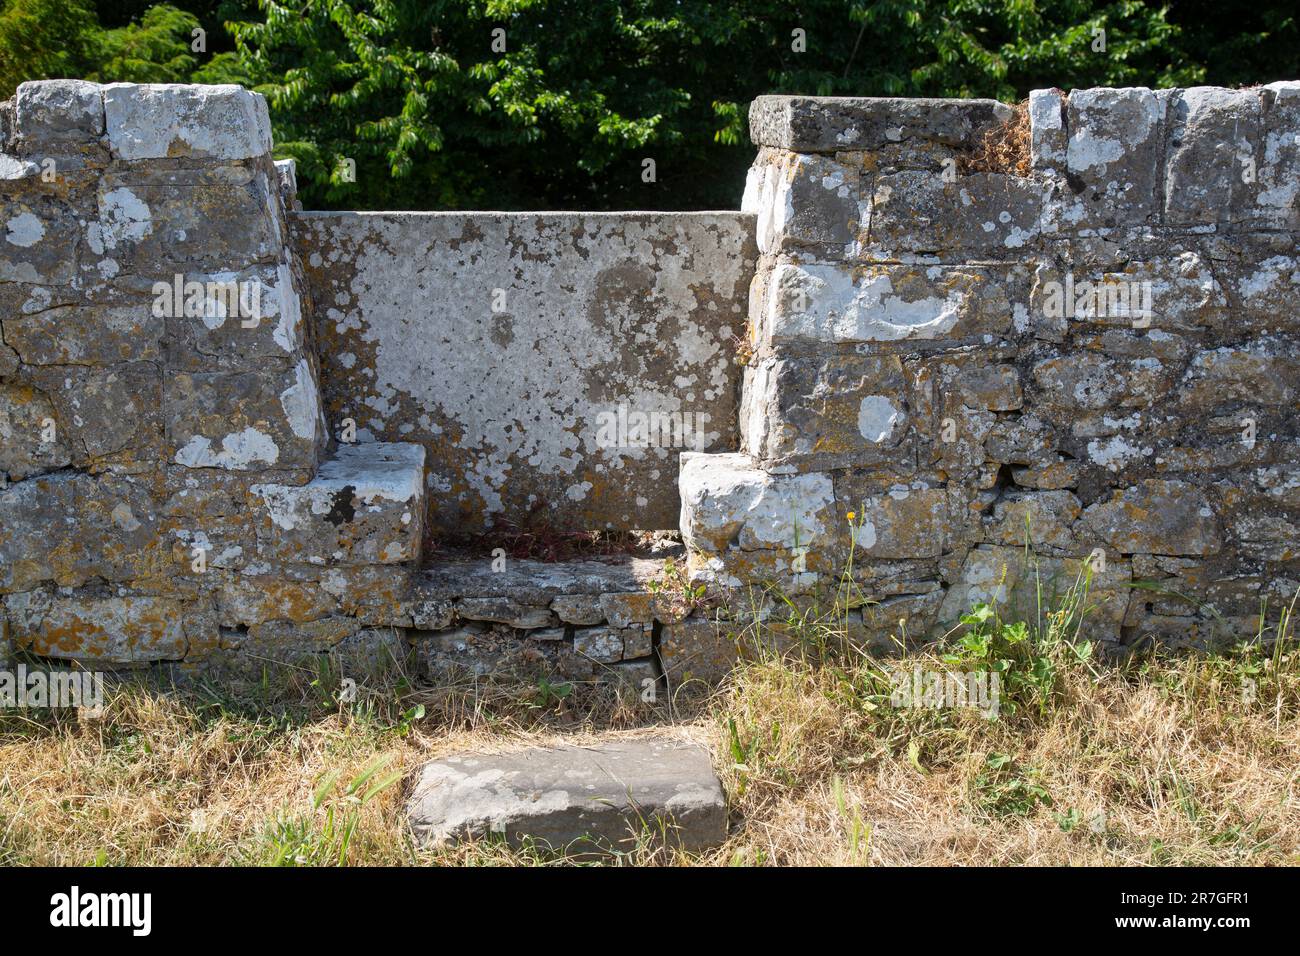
159	403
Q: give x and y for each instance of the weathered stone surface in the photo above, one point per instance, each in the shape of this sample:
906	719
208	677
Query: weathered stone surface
1157	517
91	629
365	506
503	611
30	442
827	412
882	303
1112	161
980	216
808	202
697	649
527	352
726	501
244	421
602	645
897	521
575	799
821	124
1212	137
579	608
159	120
59	110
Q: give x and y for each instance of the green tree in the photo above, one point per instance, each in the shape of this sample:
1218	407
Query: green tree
584	90
45	39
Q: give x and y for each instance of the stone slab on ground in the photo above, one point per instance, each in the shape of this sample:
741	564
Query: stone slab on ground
582	799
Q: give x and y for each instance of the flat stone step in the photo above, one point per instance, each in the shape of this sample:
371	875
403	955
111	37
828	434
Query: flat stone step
584	800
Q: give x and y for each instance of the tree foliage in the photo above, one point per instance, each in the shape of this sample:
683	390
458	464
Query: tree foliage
555	103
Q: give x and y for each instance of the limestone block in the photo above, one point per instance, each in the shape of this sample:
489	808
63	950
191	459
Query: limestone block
899	520
602	644
503	611
159	120
1277	197
365	506
727	502
478	652
1048	137
1213	138
622	609
244	421
1156	516
109	412
986	216
601	798
232	319
579	608
1113	161
39	236
697	648
249	599
99	629
213	225
822	412
86	334
68	527
1043	519
823	124
813	205
26	417
59	110
882	303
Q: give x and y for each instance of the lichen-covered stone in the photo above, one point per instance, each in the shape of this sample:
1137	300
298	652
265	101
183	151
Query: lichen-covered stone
160	120
365	506
558	359
819	124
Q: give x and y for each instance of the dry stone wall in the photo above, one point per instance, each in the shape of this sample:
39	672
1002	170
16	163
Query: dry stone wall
982	374
226	424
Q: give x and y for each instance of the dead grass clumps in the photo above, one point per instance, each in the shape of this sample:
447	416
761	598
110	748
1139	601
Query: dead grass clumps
1003	148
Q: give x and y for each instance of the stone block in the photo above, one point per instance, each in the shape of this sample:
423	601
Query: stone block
982	216
897	521
1156	516
827	412
828	303
1113	161
579	608
68	528
244	421
597	798
727	502
365	506
99	629
697	649
1213	135
53	111
813	203
824	124
163	120
601	644
86	335
501	610
30	440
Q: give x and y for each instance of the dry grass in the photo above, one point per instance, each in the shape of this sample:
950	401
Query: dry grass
1004	148
1156	762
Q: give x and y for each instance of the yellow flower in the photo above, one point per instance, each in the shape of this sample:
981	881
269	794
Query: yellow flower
852	515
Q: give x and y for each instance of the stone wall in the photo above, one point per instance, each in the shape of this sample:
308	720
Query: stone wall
968	369
512	346
984	367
